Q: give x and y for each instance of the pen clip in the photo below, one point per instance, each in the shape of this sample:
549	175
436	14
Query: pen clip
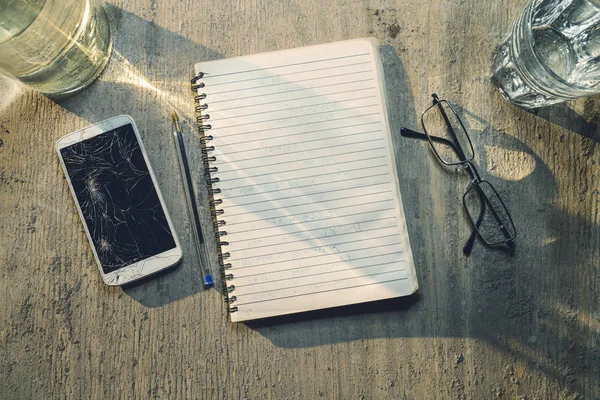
175	121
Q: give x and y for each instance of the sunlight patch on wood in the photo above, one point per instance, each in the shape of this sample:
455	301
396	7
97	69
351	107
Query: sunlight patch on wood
510	165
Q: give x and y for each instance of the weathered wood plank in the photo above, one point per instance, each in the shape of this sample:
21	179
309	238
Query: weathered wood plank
487	326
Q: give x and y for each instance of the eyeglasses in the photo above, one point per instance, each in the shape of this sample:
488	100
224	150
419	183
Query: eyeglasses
452	146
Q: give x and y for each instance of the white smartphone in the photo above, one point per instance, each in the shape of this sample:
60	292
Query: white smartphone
118	199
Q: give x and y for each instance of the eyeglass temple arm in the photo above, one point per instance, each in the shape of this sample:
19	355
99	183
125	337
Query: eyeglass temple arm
418	135
458	149
500	223
468	248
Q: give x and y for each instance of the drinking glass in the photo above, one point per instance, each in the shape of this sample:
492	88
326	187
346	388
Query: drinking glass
58	47
551	54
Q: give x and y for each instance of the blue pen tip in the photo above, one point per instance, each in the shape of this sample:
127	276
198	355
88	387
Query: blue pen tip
208	281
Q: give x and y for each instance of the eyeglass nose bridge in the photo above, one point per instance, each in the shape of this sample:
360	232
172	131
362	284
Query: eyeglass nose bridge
468	166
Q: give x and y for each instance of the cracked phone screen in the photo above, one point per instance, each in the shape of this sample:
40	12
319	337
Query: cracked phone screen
118	199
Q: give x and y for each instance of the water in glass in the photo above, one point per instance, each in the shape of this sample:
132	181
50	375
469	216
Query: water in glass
56	46
551	54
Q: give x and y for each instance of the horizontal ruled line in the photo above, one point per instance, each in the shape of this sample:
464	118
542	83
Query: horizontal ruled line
320	273
207	75
289	100
314	220
319	283
302	124
291	73
310	212
320	255
300	187
311	248
303	151
312	230
306	168
297	134
298	107
313	193
290	82
314	202
305	204
235	269
309	176
317	237
297	116
294	143
322	291
302	159
286	91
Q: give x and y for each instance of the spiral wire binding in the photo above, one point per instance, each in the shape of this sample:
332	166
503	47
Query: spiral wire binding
203	127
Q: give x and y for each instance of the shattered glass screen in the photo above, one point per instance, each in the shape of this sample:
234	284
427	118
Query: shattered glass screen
118	199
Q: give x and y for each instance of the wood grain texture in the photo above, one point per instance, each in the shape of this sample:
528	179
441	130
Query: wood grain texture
487	326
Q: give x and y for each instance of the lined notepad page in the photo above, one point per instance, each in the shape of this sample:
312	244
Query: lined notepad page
307	177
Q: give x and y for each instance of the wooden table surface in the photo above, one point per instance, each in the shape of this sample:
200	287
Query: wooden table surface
486	326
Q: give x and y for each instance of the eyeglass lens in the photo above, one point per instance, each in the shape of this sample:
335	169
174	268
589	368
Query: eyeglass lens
454	145
488	214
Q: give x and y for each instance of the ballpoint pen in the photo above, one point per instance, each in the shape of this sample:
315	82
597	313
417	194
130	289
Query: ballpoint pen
200	244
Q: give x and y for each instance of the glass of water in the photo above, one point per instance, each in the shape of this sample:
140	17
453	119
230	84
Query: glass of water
58	47
551	54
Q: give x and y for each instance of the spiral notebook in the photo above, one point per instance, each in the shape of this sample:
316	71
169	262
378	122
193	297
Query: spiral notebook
303	179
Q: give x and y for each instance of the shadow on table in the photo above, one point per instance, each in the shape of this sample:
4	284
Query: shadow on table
527	306
563	115
149	94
